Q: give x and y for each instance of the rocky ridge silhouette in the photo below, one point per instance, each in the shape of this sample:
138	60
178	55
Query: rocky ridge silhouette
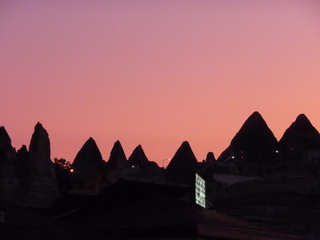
254	150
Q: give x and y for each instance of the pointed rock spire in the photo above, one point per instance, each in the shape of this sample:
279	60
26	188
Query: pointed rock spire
116	164
254	126
182	166
300	127
139	159
7	161
42	184
210	157
39	149
299	138
22	173
5	141
254	143
7	152
88	159
88	168
117	157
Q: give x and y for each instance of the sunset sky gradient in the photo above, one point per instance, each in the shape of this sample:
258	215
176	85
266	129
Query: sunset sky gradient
156	73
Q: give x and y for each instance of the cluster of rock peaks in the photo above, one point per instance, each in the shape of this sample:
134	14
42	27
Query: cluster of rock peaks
29	177
255	150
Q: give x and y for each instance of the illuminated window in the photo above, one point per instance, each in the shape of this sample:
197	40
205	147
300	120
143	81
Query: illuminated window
200	191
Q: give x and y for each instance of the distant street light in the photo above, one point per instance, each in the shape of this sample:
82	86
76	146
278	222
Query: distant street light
167	159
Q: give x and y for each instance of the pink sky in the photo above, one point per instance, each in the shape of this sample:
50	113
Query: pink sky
156	73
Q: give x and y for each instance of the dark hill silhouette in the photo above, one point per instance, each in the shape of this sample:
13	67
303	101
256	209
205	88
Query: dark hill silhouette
182	166
88	167
88	159
298	139
138	159
253	143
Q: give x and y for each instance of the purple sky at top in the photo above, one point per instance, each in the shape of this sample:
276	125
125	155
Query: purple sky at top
155	73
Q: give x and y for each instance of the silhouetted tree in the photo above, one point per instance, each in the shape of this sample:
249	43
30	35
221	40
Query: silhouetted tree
62	164
62	169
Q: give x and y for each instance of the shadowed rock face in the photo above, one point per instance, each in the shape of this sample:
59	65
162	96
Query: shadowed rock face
299	138
5	143
7	161
210	157
21	171
254	143
42	185
39	151
7	153
182	166
139	159
22	162
117	157
88	167
116	164
88	160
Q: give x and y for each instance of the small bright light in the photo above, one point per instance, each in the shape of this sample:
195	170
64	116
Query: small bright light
71	170
232	157
132	166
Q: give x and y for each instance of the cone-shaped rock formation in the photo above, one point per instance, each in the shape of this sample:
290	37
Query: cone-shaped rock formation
117	157
7	153
253	143
210	157
88	159
254	149
42	186
39	150
117	163
7	159
299	139
6	149
88	167
138	159
182	166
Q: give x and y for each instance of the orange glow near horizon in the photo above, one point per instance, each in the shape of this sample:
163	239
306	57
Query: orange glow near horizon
155	73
